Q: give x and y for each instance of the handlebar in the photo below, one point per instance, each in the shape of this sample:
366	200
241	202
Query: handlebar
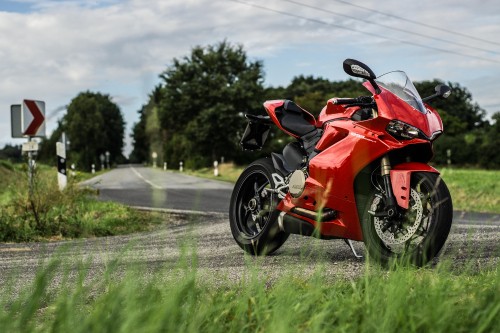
360	101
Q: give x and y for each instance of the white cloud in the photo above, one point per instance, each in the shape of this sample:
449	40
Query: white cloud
59	48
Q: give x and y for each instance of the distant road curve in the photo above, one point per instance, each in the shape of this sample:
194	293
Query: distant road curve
136	185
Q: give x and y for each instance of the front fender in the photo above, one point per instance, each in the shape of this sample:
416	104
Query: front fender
401	177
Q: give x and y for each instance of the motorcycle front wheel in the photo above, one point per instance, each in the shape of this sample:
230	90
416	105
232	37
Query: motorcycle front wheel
252	213
415	235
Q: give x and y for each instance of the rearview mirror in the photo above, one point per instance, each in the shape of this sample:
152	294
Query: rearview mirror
442	90
358	69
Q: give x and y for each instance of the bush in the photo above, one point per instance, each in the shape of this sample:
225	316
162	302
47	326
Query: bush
72	213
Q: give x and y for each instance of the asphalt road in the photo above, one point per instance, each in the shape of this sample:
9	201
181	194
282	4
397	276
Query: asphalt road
138	186
473	240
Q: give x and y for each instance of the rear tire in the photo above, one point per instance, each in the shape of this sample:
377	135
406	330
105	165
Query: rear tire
420	232
252	215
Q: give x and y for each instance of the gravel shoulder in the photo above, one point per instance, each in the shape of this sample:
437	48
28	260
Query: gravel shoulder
218	258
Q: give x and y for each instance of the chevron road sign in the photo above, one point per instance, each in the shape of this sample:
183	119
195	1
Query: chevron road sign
33	118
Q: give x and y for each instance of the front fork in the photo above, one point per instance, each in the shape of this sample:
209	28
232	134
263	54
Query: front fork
385	166
390	210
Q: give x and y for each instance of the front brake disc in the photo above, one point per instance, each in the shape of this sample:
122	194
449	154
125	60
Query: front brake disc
407	230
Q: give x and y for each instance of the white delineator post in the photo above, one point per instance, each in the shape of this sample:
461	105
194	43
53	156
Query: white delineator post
216	169
165	166
181	166
62	177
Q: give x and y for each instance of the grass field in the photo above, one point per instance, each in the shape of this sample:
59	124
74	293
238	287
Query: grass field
50	214
227	172
471	189
178	299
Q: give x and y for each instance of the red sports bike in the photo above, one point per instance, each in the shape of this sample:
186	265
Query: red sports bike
358	172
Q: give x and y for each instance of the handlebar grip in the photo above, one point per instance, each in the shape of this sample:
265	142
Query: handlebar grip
344	101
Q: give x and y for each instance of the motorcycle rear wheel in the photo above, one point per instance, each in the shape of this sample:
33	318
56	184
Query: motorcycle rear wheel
419	233
252	213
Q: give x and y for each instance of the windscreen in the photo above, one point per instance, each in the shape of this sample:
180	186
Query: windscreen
399	84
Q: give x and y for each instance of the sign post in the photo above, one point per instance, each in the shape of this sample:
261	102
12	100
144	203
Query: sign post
107	158
62	177
101	157
28	121
154	155
31	166
216	169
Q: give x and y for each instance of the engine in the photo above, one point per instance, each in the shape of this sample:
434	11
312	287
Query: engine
296	183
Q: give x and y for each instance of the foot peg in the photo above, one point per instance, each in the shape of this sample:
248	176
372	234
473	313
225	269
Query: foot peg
349	243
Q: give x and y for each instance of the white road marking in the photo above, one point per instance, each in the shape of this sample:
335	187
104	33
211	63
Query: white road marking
145	180
180	211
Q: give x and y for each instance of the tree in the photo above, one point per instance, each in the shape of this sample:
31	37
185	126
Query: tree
140	142
488	156
94	125
463	121
203	99
313	93
47	152
11	153
459	107
147	134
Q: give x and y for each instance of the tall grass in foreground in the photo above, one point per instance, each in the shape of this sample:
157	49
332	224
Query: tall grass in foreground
176	299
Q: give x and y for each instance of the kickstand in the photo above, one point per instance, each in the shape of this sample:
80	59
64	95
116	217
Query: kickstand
349	243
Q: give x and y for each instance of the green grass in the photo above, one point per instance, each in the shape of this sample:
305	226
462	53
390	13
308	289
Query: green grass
227	172
175	299
473	189
50	214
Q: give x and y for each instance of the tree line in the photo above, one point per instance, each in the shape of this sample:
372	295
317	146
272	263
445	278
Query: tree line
93	126
195	114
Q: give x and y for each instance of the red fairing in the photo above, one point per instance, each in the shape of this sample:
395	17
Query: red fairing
334	111
331	177
271	106
392	107
400	179
435	122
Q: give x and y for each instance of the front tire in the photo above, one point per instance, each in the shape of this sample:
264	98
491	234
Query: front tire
252	210
418	234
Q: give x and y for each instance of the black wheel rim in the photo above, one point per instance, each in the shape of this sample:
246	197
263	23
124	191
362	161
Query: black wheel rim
254	204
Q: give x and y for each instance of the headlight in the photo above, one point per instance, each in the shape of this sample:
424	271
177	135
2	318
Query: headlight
401	130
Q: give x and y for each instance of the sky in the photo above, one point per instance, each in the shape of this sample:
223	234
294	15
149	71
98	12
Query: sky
51	50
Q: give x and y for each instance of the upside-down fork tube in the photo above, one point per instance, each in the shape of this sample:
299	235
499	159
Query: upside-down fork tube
386	176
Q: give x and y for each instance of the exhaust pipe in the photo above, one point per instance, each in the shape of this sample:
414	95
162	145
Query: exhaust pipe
326	215
293	225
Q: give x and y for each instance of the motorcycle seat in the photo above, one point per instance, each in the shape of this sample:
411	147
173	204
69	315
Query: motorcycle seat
296	120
